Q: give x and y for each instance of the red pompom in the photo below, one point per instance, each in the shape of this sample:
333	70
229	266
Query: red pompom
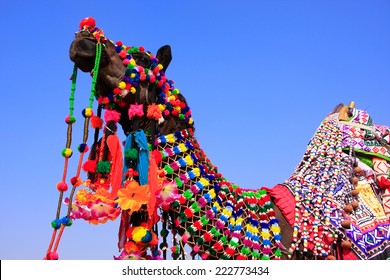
89	166
188	213
88	22
75	181
96	122
157	156
117	91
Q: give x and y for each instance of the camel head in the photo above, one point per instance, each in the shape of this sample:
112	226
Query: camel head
131	81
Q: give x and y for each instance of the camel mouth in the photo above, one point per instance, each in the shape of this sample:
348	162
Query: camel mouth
82	52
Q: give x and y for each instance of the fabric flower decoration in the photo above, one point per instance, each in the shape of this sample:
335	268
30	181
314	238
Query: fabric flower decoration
133	196
169	193
94	207
133	255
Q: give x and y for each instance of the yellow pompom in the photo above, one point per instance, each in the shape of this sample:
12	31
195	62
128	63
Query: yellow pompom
197	172
122	85
226	212
132	75
170	138
133	90
132	62
204	182
275	229
88	112
67	152
161	107
138	233
190	121
182	147
265	234
160	66
252	229
189	162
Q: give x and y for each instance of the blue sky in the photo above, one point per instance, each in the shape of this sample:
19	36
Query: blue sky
259	76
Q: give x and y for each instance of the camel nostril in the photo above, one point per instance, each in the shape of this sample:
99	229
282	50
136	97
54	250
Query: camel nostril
85	48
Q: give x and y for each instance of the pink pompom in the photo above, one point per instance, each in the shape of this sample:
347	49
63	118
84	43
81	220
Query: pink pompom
111	115
136	110
52	256
62	186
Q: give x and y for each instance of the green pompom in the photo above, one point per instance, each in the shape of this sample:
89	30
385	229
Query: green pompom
278	253
200	241
183	218
131	154
176	204
164	233
103	167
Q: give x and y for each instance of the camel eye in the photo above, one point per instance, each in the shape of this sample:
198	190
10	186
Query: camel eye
142	59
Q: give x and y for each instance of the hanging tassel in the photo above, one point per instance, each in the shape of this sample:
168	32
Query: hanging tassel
154	187
143	157
123	227
114	146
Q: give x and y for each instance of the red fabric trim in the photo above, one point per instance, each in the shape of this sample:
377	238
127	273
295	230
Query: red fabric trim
285	201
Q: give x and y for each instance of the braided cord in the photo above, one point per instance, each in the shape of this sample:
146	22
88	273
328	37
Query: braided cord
95	72
72	91
55	240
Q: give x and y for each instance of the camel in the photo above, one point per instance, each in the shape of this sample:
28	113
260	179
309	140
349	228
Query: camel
163	177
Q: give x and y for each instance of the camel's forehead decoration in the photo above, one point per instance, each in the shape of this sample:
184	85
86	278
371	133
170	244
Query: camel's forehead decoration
151	72
89	24
167	103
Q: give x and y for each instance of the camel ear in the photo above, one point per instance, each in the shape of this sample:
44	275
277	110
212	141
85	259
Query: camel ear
164	56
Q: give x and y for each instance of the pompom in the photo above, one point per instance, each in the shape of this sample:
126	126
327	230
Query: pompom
103	167
88	22
111	115
154	112
76	181
89	166
66	221
83	148
122	85
52	256
87	112
131	154
96	122
62	186
67	152
136	110
70	119
56	224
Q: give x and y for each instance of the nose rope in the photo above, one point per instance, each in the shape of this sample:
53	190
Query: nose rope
62	187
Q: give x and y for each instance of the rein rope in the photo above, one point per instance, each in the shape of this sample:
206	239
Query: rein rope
62	186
